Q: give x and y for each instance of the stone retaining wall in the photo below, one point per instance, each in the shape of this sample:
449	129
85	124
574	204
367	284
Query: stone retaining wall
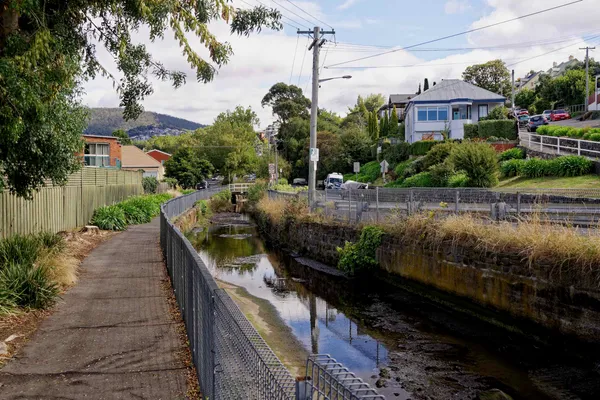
565	303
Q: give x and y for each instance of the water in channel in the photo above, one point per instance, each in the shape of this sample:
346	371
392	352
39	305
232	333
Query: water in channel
426	350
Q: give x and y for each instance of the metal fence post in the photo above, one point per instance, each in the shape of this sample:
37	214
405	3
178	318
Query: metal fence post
411	198
558	145
518	203
578	147
349	204
377	202
541	143
456	200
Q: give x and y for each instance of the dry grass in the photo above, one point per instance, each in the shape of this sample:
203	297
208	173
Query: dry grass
554	248
273	209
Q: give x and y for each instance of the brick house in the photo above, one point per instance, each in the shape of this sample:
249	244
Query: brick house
159	156
101	151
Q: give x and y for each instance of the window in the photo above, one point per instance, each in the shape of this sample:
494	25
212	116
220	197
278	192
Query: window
483	111
432	113
96	155
461	111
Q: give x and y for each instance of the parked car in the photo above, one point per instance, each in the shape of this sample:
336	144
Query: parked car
202	185
535	122
559	115
523	120
547	114
352	185
299	182
523	112
334	181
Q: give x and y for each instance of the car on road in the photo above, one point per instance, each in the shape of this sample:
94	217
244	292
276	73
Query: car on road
559	115
299	182
334	181
202	185
535	122
547	114
352	185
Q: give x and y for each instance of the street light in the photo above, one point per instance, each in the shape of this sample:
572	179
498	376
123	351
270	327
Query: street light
337	77
312	165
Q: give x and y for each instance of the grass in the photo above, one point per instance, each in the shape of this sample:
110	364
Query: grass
577	182
135	210
553	252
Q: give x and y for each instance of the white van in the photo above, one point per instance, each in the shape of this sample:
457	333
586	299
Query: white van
334	181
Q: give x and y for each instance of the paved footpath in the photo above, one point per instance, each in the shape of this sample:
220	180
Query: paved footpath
111	337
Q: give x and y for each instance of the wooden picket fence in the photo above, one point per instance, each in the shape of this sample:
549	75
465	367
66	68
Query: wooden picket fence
60	208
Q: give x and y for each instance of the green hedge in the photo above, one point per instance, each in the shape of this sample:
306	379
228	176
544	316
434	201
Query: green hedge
502	128
135	210
422	147
537	168
586	133
471	131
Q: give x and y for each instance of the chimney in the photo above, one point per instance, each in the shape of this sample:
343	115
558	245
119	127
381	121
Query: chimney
554	64
571	58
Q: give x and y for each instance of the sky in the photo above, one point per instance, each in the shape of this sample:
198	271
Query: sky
363	28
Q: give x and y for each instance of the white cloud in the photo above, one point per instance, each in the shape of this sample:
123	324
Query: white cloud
347	4
457	6
264	59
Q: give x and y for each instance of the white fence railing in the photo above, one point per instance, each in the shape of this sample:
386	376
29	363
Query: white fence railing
560	145
239	187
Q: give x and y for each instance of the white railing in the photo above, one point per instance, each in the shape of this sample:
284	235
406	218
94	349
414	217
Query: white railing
560	145
239	187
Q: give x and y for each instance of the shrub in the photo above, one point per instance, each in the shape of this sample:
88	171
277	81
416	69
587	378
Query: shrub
510	168
458	180
221	202
543	130
355	257
150	184
29	284
134	214
422	179
110	218
401	168
413	168
172	182
369	172
187	191
440	173
438	154
257	191
51	241
395	154
422	147
19	249
294	207
471	131
515	153
503	128
571	166
478	161
536	168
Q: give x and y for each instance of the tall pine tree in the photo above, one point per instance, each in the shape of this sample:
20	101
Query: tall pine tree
426	85
419	91
393	128
385	123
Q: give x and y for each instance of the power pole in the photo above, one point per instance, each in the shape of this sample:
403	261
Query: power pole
315	46
512	102
587	75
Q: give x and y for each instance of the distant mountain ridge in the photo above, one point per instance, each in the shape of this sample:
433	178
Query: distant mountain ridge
104	121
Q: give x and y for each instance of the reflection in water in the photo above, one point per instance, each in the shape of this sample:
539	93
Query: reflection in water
235	254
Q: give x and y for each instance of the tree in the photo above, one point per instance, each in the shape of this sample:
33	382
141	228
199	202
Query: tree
384	125
492	75
239	116
355	145
47	48
570	88
187	167
419	91
426	85
374	101
393	126
359	113
287	102
525	98
373	128
124	138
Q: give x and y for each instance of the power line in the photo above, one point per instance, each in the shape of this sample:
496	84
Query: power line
300	16
303	58
297	24
294	62
552	51
414	65
458	34
310	15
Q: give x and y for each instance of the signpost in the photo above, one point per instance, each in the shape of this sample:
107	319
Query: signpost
356	169
384	168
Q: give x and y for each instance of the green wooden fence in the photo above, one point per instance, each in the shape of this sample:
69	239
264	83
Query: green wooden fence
60	208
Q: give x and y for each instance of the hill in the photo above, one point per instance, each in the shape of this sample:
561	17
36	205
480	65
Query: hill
104	121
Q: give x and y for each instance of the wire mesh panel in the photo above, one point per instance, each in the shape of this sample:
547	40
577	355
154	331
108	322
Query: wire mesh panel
328	379
231	359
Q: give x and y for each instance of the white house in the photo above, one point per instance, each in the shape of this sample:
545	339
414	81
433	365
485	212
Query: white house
447	107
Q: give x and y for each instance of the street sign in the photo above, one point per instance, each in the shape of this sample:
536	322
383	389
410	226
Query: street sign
272	169
379	150
357	167
384	166
314	154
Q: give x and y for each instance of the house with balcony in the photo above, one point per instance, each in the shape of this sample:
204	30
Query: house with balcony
400	101
446	108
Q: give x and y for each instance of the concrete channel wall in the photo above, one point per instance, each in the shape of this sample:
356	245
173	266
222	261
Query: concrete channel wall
565	303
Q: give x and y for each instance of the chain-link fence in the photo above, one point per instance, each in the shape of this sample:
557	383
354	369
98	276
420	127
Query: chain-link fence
232	360
577	206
